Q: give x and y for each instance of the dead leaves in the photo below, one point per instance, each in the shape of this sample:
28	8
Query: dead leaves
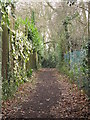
41	103
71	102
48	99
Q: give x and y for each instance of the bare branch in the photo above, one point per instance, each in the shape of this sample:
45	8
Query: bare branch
50	42
82	23
83	8
50	5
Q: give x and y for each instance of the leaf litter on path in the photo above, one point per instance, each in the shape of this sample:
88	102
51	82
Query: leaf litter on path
49	95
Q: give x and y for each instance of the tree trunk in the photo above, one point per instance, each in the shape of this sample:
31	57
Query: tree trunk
0	63
88	48
31	64
5	51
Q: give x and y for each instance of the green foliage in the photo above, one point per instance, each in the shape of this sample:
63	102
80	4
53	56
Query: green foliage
5	5
29	72
8	89
25	40
33	18
50	60
33	36
5	19
22	45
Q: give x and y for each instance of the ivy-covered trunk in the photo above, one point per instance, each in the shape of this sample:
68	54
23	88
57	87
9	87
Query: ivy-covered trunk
0	63
89	48
31	64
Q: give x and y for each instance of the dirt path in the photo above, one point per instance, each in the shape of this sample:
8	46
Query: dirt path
51	97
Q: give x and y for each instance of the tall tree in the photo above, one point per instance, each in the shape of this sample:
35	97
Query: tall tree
0	60
5	44
89	47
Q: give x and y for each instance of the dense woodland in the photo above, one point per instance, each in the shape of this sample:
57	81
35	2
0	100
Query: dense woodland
36	35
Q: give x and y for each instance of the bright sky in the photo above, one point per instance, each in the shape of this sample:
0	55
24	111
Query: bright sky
49	0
